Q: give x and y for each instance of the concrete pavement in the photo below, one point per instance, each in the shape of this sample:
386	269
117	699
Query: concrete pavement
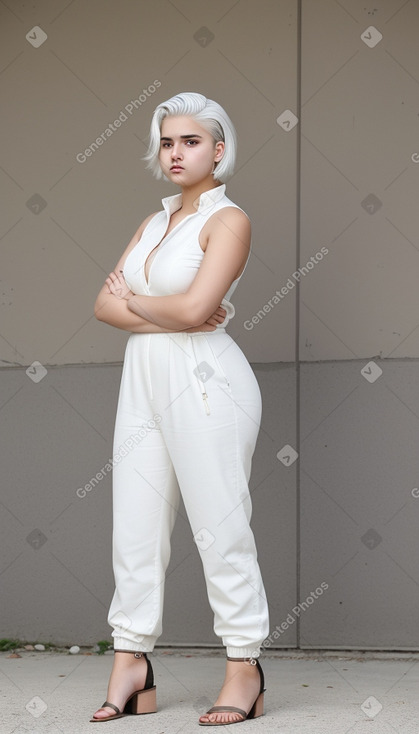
310	692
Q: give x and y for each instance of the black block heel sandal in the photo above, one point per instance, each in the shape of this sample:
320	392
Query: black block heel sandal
139	702
255	711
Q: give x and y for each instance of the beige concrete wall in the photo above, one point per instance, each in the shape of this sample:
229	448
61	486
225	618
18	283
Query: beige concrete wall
359	179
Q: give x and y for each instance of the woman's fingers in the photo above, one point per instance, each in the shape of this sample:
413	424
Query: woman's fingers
117	285
217	317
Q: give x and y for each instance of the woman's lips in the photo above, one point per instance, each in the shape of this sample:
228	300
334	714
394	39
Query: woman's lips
175	169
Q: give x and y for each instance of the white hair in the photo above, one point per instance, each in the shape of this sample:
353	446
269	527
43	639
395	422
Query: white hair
207	113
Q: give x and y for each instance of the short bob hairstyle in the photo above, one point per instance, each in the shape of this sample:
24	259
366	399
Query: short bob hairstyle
207	113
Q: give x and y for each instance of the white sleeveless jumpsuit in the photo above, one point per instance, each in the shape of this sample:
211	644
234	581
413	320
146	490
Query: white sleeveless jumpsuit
187	421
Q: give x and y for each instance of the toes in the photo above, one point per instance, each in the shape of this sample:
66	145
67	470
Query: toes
227	718
221	718
103	713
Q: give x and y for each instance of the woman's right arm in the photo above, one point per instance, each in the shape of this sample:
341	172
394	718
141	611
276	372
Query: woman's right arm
115	312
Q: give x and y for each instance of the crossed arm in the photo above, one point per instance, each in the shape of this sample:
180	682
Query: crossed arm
199	308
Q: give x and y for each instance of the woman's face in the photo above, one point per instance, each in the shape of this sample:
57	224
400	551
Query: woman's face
187	150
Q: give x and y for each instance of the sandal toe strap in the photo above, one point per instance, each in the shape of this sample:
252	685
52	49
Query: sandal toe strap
112	706
220	709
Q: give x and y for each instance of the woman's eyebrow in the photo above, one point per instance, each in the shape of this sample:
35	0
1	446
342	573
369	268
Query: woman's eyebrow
185	137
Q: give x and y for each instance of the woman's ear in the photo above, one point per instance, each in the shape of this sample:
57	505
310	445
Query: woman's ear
219	148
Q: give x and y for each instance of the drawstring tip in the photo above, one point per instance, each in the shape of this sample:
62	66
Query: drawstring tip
205	399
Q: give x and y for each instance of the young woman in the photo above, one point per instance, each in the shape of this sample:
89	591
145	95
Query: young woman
189	412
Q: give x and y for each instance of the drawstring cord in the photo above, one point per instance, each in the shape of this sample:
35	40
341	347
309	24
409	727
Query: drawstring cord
200	383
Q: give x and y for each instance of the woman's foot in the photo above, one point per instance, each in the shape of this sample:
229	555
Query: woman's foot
240	689
128	675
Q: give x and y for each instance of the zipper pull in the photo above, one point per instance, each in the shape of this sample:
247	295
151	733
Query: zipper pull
205	399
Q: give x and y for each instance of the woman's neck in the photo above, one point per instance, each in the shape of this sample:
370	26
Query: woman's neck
190	194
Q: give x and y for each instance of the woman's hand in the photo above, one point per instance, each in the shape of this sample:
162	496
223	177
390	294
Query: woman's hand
117	286
217	317
211	324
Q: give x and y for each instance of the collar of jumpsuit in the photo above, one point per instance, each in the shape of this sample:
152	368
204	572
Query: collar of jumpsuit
203	203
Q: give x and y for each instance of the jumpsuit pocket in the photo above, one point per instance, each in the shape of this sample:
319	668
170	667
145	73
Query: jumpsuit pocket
225	382
209	372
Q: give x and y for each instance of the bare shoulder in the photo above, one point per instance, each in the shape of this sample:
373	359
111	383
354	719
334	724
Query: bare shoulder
231	215
230	221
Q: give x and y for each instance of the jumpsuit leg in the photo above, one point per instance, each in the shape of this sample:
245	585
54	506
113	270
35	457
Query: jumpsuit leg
203	446
210	403
145	503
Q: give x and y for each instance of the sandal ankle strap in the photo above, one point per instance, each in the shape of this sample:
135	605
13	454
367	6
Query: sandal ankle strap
136	653
243	660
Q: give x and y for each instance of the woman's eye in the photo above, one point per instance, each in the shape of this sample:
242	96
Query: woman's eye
192	142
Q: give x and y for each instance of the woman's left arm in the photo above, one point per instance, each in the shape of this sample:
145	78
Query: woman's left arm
226	253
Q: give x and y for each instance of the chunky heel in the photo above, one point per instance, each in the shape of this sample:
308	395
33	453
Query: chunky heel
257	708
143	702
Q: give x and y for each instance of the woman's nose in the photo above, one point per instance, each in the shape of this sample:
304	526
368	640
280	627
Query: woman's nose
176	153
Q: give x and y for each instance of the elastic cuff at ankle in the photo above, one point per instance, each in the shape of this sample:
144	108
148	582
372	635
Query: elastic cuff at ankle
242	652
